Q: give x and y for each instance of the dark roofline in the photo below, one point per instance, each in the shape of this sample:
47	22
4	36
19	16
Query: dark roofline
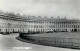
14	18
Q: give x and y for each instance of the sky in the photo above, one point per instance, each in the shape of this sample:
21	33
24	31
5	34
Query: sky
62	8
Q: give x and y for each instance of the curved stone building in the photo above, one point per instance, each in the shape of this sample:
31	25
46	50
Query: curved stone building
54	25
23	24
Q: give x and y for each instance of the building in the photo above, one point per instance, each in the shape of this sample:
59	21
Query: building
54	25
23	24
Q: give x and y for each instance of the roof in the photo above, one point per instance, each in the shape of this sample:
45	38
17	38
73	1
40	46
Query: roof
20	18
14	18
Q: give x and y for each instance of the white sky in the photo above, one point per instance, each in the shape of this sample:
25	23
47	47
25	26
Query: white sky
68	8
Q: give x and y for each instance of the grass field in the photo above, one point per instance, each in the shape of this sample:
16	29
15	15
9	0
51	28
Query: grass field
60	39
61	35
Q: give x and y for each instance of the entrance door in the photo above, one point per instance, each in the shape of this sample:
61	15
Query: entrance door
75	30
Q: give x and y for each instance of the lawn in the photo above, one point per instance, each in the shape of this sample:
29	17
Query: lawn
60	35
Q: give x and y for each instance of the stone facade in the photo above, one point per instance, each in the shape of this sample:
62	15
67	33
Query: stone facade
12	24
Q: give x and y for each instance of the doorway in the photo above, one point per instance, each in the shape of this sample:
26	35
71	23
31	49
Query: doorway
75	30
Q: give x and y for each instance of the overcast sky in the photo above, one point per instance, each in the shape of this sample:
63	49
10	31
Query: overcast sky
68	8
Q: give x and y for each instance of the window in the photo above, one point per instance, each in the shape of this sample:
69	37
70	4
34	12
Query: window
0	30
6	30
43	30
41	22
